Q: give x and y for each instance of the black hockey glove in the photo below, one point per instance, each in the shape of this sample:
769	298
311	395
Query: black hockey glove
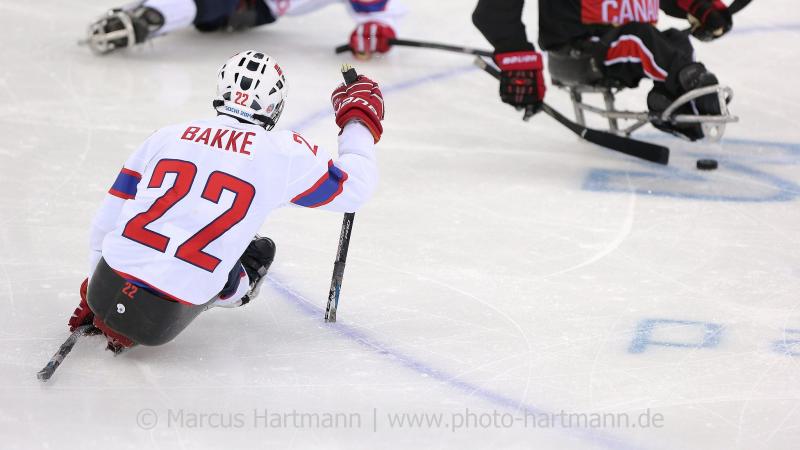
521	79
710	19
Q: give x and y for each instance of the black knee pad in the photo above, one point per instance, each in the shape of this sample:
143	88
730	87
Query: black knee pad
134	312
695	75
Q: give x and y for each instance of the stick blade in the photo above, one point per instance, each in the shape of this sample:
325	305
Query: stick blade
333	298
49	369
632	147
45	374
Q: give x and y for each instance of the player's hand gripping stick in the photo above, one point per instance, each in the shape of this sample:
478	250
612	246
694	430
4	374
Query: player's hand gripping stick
644	150
350	77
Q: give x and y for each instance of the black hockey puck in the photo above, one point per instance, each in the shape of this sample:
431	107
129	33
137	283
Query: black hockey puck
707	164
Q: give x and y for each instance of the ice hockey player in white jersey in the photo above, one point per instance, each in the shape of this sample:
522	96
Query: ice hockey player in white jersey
376	20
174	234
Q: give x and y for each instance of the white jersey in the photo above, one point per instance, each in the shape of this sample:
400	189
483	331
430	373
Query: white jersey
385	11
187	203
181	13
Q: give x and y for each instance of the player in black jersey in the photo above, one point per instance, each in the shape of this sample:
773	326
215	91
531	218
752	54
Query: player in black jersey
619	36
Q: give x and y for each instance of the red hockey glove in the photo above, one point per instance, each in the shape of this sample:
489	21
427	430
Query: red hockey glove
361	101
710	19
82	315
370	38
116	341
521	81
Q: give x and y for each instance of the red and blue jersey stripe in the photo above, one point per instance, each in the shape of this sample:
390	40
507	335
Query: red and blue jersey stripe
125	185
368	6
325	190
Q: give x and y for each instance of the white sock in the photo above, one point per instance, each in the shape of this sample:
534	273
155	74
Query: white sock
233	300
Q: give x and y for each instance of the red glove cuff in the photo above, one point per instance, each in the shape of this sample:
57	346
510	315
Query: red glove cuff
84	289
357	114
82	314
524	60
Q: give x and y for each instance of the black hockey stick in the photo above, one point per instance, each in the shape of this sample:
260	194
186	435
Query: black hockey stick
350	77
735	7
421	44
639	149
63	351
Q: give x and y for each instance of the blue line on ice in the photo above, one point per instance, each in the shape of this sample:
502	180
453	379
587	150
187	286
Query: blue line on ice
326	113
408	361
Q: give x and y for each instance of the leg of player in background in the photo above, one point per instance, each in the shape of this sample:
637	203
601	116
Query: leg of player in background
638	50
231	15
136	23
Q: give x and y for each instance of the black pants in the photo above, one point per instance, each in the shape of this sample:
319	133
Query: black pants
135	312
638	50
213	15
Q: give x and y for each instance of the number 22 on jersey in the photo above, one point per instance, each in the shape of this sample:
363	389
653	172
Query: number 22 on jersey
190	251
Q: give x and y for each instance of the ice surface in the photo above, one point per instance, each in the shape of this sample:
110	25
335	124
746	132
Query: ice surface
503	267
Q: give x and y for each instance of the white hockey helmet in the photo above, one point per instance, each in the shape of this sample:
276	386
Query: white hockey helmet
251	86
